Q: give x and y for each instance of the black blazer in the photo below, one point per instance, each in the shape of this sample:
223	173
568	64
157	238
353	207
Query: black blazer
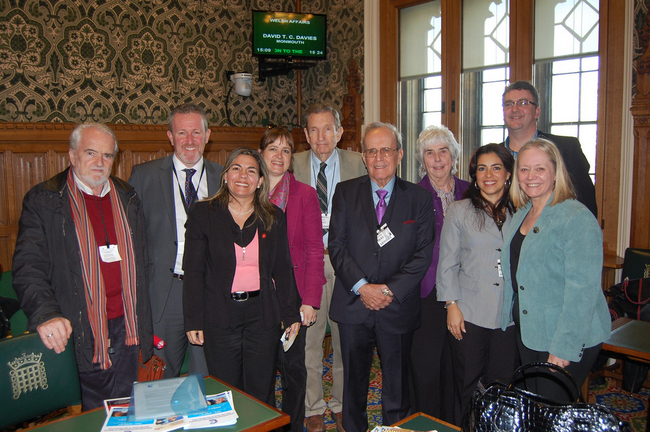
577	166
209	266
400	264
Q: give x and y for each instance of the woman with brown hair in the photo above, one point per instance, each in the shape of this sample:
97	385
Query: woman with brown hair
239	289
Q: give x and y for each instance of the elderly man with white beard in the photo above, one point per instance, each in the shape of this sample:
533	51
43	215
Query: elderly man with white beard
79	267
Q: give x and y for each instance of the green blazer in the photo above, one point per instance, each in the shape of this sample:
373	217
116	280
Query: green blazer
562	308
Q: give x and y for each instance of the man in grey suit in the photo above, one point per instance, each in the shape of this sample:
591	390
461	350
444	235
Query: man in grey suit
167	188
323	168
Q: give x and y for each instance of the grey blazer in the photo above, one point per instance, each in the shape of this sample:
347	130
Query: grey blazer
351	165
153	184
467	269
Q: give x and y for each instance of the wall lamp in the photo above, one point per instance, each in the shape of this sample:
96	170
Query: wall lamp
242	85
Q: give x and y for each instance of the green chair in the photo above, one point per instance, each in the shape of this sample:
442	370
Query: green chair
35	380
19	319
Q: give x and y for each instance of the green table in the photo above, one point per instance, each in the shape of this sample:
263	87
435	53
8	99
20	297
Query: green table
630	337
254	416
423	422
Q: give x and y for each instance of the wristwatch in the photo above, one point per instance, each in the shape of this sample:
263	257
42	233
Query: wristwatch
451	302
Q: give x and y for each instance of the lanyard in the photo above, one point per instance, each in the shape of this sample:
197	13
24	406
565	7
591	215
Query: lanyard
180	189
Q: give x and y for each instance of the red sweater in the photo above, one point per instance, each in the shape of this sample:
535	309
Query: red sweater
111	272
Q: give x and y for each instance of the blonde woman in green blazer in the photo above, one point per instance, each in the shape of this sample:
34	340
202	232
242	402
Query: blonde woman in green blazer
552	259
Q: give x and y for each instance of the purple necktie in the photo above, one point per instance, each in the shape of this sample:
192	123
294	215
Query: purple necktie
190	191
381	205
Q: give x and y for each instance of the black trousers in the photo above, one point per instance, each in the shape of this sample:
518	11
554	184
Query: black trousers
430	361
294	381
245	354
483	354
357	345
116	381
551	384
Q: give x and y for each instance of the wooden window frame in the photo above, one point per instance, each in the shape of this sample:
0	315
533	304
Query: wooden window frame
610	88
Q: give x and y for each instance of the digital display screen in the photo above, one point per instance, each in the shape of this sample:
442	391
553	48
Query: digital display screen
289	34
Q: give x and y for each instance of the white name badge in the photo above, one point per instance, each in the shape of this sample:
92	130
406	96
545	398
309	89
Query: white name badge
109	254
500	269
325	219
384	235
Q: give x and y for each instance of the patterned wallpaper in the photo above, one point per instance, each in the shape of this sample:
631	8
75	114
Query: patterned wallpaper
120	61
640	12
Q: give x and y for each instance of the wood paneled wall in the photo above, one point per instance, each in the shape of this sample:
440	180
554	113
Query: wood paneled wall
31	153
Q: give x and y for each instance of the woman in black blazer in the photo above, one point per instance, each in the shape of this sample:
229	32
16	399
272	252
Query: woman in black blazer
239	290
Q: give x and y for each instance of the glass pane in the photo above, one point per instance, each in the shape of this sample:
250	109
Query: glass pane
433	118
590	63
498	74
492	109
489	136
569	27
420	40
484	90
588	138
566	130
565	98
486	27
589	97
432	100
566	66
432	82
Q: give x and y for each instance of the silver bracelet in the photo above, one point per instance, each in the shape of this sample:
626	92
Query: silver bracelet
449	303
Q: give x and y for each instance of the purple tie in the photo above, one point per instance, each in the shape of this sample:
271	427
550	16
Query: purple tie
190	191
381	205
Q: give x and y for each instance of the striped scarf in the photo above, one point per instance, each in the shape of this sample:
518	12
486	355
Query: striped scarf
92	275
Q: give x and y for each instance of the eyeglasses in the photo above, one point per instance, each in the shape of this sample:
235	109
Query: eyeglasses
520	103
385	152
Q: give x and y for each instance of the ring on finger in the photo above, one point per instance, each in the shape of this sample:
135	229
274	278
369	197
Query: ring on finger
50	335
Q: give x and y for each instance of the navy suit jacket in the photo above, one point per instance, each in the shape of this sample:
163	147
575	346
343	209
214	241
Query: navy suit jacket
153	184
400	264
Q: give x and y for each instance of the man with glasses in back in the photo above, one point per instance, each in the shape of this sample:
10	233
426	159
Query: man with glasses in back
520	113
381	245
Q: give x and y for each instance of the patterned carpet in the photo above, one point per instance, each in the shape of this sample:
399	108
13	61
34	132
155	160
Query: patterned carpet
374	393
629	407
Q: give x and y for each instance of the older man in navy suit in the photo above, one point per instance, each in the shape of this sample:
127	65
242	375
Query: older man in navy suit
381	243
168	187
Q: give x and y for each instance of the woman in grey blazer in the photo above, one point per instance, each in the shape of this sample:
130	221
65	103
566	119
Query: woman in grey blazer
469	277
552	262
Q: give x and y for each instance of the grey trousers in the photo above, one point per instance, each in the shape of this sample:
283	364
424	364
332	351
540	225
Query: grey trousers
314	402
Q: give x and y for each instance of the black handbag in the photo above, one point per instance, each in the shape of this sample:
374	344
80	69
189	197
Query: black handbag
631	298
505	408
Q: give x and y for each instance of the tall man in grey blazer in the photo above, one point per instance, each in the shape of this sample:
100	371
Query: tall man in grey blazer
323	168
381	245
167	188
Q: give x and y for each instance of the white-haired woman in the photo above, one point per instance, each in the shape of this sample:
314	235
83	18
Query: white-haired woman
438	153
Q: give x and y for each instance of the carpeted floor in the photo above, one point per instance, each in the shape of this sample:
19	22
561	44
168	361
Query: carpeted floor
629	407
